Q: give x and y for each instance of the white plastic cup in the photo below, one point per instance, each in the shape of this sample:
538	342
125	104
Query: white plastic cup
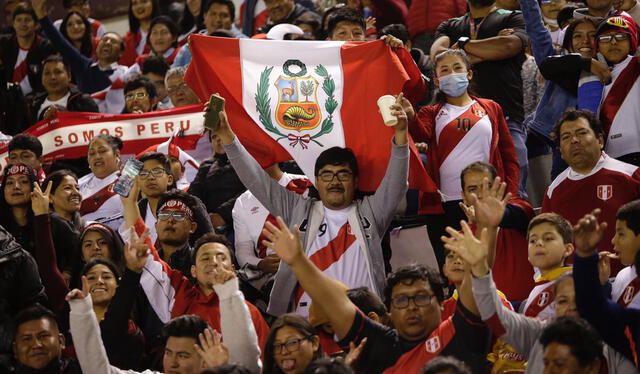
384	104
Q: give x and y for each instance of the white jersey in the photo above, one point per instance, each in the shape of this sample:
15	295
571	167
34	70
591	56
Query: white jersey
111	99
21	71
249	216
99	202
339	254
463	136
626	288
540	303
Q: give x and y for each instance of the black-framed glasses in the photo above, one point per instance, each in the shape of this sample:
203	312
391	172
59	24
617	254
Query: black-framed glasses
292	345
402	302
343	175
157	172
177	216
619	36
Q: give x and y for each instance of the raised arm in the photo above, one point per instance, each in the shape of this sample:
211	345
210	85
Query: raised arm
539	35
327	293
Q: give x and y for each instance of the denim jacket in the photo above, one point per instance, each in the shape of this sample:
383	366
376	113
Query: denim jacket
555	99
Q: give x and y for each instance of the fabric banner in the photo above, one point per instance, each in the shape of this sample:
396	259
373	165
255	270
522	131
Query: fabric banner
68	135
294	99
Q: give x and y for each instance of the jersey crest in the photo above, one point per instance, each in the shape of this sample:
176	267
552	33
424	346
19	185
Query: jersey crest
605	192
433	345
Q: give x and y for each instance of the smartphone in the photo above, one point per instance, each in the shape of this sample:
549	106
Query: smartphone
127	177
212	117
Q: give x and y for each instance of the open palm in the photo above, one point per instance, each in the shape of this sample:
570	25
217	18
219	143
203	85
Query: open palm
287	244
472	250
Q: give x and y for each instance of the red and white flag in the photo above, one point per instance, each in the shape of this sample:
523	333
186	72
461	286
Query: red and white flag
294	99
68	135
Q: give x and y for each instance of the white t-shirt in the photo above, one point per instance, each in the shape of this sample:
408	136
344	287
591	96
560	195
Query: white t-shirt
47	103
463	135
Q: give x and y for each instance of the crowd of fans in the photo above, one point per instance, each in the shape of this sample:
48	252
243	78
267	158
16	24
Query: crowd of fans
527	116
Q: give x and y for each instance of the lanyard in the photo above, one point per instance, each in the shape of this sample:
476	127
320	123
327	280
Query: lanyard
473	29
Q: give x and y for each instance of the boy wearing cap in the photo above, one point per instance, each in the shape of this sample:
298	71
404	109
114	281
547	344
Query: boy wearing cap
617	41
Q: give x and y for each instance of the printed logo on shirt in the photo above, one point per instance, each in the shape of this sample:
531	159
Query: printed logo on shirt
433	345
605	192
543	299
629	294
255	209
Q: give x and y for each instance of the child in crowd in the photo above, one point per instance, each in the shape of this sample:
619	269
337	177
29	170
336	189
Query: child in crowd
626	286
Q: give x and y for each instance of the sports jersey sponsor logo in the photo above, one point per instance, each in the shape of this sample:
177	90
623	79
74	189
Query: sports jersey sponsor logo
433	345
628	294
255	210
543	299
605	192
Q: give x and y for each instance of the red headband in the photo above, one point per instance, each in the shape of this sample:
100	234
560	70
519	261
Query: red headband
175	204
18	169
99	227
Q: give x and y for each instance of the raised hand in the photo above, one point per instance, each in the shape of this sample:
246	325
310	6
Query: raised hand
604	267
40	8
588	233
269	264
472	250
490	203
287	244
222	275
77	294
136	251
132	199
40	200
353	356
223	129
211	349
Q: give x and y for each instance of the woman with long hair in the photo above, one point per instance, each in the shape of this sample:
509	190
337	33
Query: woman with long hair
292	344
77	29
141	13
16	214
98	241
191	21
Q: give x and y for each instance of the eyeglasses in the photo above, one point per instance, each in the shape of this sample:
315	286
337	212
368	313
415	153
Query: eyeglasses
291	346
181	86
144	174
403	301
137	95
618	36
343	176
177	216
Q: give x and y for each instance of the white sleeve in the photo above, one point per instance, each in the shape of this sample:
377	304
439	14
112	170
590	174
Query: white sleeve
238	332
243	242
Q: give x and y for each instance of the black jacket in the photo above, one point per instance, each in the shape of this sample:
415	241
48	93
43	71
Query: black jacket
55	367
78	102
20	287
298	11
9	54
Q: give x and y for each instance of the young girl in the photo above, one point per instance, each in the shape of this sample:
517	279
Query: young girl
141	12
291	346
77	29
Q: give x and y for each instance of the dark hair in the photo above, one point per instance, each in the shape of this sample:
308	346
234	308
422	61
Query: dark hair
565	14
122	43
211	238
345	14
478	167
397	30
562	226
337	156
26	141
7	218
200	216
441	97
567	42
56	58
99	261
24	8
167	21
445	364
114	242
581	338
293	320
630	214
32	313
227	369
572	114
328	365
158	156
67	3
222	34
187	21
411	273
561	279
156	65
185	326
134	23
143	82
228	3
311	19
56	179
114	142
86	47
322	32
367	301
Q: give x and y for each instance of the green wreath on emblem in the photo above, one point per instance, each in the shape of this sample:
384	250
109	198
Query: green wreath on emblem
263	101
298	63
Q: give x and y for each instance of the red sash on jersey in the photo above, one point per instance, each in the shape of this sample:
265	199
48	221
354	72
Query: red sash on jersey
20	71
95	201
415	359
102	95
298	186
542	300
331	253
617	94
457	129
629	293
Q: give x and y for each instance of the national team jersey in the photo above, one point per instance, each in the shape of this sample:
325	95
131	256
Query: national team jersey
626	288
21	71
111	98
609	185
338	254
99	202
540	301
463	135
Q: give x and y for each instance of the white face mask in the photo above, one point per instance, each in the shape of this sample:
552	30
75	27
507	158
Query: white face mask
551	22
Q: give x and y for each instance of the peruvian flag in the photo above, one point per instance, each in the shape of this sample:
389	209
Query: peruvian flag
294	99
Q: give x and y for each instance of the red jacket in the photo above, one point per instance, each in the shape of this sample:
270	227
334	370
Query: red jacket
131	41
426	15
388	12
502	154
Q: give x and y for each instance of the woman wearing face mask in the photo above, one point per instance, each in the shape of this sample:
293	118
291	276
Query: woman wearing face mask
291	346
99	202
459	130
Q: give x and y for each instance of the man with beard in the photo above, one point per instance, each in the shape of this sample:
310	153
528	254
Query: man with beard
497	61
